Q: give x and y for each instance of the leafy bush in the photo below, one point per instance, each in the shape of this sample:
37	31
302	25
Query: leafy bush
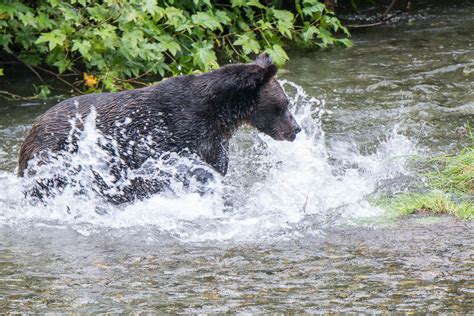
113	43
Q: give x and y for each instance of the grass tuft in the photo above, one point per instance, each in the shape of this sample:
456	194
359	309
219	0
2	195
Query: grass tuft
435	203
450	189
456	175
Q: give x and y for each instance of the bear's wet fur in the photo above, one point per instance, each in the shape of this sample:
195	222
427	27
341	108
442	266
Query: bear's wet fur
193	114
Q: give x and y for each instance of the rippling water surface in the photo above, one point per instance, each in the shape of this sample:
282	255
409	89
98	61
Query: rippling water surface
301	234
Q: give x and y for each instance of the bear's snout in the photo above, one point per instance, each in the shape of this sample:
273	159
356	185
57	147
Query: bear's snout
295	129
292	136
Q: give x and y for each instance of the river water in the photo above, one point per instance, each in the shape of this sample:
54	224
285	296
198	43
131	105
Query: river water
302	234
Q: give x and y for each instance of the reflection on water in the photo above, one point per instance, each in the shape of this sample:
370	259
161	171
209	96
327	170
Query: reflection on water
301	234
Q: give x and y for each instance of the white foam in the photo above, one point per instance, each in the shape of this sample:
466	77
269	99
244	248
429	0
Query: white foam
279	189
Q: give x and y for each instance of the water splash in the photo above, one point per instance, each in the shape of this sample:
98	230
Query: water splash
273	189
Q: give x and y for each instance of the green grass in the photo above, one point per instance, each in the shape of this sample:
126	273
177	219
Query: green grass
450	189
436	203
456	175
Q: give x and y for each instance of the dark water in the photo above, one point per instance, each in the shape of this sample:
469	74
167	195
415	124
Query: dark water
302	235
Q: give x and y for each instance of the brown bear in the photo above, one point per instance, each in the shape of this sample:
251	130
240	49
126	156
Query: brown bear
188	115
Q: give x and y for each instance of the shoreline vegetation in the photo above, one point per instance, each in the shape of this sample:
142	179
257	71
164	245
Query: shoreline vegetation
449	189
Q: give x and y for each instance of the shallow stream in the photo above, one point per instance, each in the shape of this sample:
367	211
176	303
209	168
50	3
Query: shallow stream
303	233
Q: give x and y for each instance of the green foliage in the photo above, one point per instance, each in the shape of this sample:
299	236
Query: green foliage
43	91
115	40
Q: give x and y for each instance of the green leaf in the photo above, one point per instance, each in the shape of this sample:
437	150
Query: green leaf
313	8
283	15
204	55
248	42
130	43
99	13
167	43
107	35
54	3
238	3
43	91
298	8
175	16
264	25
26	38
70	14
54	38
6	40
131	16
62	63
44	22
325	36
13	8
27	19
244	3
308	34
150	6
8	10
206	20
222	17
83	47
154	9
284	21
344	41
277	54
1	72
243	26
200	3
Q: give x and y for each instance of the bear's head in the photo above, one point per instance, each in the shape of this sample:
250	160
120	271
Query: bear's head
271	115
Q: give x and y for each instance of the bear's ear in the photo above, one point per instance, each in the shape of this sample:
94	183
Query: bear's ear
265	61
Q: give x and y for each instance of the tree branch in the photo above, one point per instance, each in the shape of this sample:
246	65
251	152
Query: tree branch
389	8
381	22
13	96
60	78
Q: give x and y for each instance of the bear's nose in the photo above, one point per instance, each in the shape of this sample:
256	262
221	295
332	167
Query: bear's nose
297	130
